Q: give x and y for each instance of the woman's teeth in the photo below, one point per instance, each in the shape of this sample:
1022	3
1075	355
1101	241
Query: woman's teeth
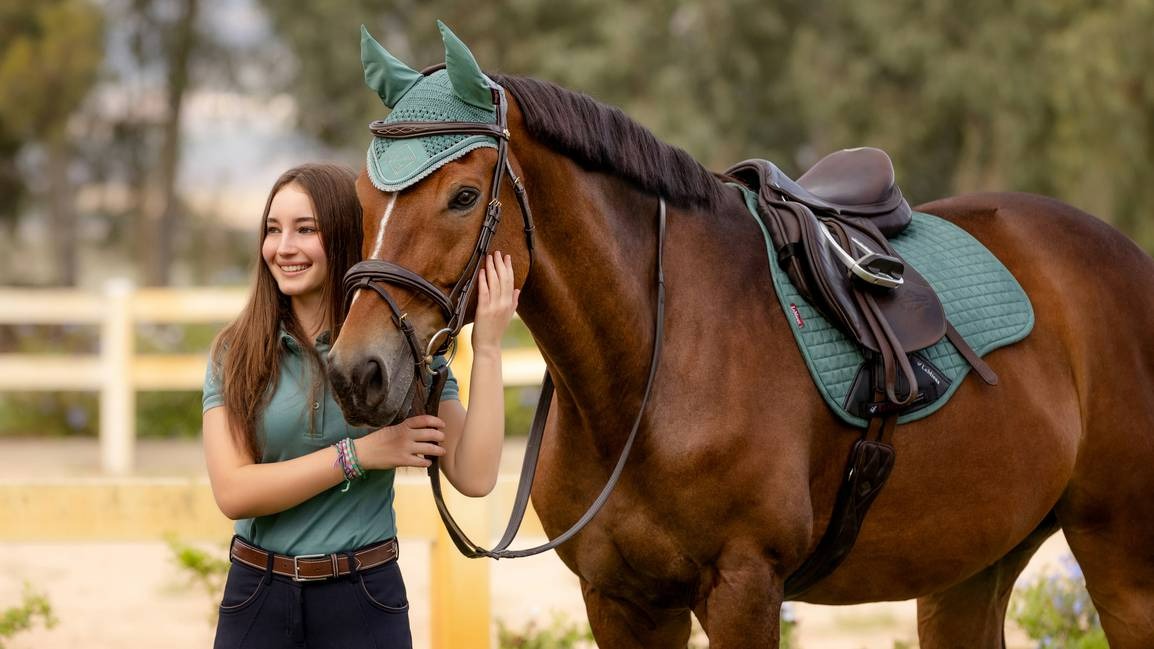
294	269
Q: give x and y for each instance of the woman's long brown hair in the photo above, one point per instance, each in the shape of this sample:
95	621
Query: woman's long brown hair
247	352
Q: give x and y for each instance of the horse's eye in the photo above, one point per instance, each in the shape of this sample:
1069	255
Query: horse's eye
465	198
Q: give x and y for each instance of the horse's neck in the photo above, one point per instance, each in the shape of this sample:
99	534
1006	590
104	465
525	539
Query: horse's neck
591	295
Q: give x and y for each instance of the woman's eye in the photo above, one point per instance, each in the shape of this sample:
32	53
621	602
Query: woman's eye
464	199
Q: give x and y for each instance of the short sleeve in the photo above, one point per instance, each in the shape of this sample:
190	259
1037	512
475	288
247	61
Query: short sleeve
452	391
213	396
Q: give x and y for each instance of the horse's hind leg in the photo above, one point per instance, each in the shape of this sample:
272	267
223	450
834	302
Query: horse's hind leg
620	623
972	614
1109	524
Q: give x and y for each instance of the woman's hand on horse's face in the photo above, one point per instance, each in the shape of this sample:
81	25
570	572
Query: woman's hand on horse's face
406	444
496	302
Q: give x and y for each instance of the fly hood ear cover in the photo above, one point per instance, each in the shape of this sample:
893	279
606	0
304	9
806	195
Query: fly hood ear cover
458	93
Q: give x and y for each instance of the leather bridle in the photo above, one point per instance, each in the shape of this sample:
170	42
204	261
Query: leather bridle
366	274
370	274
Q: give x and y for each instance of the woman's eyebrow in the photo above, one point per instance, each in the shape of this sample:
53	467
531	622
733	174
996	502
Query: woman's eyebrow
297	220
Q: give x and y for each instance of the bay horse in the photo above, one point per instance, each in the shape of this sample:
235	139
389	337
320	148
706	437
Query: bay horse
737	459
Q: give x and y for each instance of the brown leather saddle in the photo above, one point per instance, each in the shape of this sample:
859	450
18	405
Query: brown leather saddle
830	231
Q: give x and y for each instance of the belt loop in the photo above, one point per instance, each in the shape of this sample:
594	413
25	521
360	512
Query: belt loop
269	560
354	565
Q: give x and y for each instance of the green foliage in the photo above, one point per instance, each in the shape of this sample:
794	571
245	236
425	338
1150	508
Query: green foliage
19	618
50	56
788	627
203	570
559	634
1052	98
1056	611
520	404
50	52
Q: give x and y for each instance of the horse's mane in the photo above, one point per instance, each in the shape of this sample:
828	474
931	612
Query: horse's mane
603	138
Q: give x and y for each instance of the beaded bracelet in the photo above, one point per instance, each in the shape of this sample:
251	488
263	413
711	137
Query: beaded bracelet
347	460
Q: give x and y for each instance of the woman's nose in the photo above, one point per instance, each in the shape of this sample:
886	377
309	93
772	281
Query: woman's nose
287	244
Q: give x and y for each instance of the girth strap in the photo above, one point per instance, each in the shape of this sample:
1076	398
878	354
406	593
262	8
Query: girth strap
871	459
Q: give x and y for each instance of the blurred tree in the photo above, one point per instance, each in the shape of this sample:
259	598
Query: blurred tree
161	217
164	38
693	71
161	52
50	55
1053	98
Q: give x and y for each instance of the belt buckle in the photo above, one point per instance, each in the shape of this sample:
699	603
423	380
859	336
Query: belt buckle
297	567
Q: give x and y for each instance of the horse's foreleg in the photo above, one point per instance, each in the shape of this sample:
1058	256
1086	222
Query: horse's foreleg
743	605
972	614
620	623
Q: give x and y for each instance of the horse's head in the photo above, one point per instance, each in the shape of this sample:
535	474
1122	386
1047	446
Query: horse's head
431	193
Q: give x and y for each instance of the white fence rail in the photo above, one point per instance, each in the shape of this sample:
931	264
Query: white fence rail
117	372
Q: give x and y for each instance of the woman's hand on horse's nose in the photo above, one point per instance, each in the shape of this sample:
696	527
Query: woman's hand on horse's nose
406	444
496	301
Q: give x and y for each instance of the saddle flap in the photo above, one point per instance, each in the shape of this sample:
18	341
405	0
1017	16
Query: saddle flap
912	310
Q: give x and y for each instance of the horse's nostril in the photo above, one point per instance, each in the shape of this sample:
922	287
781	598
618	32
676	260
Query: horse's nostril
374	376
371	382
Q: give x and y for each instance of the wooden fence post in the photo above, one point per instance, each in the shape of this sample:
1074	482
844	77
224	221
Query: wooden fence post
117	393
459	587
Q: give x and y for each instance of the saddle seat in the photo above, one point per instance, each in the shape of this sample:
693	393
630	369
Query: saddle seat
857	182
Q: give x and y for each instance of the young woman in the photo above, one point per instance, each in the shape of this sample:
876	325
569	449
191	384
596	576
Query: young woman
314	555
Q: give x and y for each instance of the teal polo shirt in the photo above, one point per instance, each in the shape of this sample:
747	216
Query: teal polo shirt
331	521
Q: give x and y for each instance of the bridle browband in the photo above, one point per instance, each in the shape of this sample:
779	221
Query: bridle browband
371	273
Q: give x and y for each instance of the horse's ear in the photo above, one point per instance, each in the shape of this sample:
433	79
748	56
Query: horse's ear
384	73
469	83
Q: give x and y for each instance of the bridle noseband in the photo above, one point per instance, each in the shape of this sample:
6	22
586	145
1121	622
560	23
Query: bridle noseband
370	274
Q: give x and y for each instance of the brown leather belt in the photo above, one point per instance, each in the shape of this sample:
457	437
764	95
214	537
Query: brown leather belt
313	567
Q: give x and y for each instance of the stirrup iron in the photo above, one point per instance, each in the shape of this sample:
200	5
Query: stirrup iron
872	267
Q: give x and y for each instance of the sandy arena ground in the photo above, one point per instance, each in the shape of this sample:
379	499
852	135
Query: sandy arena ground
131	595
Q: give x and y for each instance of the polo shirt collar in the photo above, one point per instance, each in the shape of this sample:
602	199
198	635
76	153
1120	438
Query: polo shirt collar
322	342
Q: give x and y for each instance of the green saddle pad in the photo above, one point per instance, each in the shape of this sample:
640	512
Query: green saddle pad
981	298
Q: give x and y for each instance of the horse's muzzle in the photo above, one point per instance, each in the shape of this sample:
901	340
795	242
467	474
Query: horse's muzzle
361	386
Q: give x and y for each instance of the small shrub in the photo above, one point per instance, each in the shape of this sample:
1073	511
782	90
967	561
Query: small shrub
1056	611
21	618
560	634
204	570
788	627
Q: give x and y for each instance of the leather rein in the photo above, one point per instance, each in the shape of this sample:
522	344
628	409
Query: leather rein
370	274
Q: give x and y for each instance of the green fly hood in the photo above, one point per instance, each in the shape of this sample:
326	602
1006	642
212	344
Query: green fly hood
458	93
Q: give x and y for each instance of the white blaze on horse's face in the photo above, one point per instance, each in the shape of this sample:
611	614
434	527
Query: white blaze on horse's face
379	238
